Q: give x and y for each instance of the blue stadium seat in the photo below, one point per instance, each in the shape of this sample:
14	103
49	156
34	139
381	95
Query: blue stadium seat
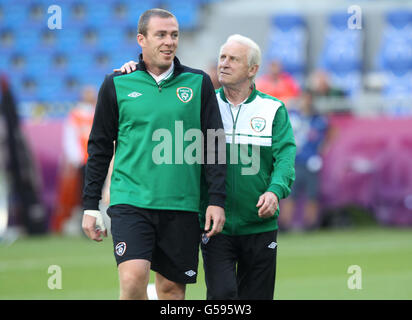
7	41
398	84
17	63
79	63
397	93
136	8
48	41
288	22
186	12
25	87
37	14
93	78
291	54
4	62
38	64
75	14
118	39
68	39
395	53
399	18
98	14
119	58
89	40
49	89
342	53
14	14
27	39
339	20
288	43
111	37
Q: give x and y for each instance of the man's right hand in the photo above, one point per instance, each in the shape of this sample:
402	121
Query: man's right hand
127	67
93	225
215	218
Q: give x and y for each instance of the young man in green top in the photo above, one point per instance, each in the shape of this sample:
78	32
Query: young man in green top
240	262
153	205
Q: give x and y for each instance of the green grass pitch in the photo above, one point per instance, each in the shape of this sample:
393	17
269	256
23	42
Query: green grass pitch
309	266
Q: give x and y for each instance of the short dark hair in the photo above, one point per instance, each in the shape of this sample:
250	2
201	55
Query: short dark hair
145	18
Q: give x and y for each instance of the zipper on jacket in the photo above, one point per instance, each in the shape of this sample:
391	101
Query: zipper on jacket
234	167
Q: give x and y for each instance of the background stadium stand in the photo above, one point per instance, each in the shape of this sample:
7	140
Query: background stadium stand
395	59
288	43
94	38
342	53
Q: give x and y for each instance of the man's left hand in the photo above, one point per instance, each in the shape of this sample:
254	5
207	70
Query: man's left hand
268	204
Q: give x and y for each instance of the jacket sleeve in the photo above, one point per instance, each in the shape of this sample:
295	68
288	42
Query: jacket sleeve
284	152
100	145
215	171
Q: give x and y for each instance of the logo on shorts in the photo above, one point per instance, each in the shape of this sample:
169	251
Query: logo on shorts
190	273
185	94
120	248
272	245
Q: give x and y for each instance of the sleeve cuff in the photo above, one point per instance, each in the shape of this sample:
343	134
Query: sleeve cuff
217	200
91	204
277	190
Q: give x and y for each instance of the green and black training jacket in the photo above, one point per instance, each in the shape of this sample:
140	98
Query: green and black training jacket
140	116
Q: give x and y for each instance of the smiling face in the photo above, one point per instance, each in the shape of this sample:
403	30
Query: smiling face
159	45
233	67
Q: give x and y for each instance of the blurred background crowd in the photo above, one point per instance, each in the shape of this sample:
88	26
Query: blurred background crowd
343	71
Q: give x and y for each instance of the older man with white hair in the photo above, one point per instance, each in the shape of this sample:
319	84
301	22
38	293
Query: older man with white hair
240	262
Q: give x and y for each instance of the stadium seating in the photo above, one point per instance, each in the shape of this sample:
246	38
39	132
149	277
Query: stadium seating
94	39
186	12
394	60
342	53
288	43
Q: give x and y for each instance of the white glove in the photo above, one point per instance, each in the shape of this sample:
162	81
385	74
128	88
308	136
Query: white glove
99	219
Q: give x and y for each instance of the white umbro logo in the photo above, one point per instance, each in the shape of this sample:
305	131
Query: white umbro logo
134	94
272	245
190	273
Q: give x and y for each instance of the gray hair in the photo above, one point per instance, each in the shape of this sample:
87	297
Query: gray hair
254	56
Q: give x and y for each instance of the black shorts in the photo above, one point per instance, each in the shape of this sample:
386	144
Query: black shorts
168	239
240	267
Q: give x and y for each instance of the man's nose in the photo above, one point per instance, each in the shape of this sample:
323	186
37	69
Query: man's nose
224	63
169	40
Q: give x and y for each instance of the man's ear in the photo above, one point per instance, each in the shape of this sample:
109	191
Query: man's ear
253	70
141	39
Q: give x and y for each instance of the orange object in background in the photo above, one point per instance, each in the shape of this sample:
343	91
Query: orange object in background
81	120
278	83
76	131
68	196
